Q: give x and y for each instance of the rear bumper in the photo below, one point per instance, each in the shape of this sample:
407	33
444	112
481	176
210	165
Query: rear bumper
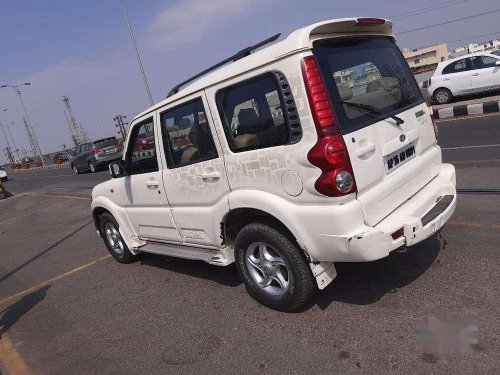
107	159
420	217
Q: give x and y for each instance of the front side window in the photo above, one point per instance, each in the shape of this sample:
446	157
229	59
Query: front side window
252	114
141	154
186	135
456	67
483	62
369	73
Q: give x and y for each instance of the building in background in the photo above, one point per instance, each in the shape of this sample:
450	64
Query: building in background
492	45
425	59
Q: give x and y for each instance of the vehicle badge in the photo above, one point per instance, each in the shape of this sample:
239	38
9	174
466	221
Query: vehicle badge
402	137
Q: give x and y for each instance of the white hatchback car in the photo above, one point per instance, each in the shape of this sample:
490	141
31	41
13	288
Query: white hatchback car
314	150
470	74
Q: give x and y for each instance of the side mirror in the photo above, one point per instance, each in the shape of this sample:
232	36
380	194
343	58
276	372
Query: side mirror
117	169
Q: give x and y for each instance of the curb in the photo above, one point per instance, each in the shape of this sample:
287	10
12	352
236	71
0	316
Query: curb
466	110
46	168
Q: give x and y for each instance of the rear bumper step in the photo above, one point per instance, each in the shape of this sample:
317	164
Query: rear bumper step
438	209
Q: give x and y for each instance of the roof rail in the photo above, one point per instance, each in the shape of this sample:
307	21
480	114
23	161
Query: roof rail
241	54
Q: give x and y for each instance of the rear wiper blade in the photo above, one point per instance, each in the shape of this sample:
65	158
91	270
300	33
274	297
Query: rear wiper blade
372	109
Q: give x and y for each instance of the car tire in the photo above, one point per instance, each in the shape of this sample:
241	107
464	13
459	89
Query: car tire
75	169
273	268
443	96
92	168
110	233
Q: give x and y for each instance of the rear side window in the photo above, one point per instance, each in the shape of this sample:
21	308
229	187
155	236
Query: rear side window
253	115
456	67
366	72
141	154
186	135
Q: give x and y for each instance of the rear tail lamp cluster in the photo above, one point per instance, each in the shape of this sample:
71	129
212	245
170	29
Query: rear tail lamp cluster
119	145
330	152
436	130
96	151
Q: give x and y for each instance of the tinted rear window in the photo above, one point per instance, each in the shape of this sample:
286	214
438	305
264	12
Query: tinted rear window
105	142
366	71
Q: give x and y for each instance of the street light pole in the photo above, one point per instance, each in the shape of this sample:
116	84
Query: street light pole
138	56
3	130
18	91
16	150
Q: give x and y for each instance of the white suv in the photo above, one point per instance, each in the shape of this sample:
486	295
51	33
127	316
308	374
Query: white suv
471	74
314	150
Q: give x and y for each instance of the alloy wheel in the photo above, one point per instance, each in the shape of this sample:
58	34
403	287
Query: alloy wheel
267	268
114	238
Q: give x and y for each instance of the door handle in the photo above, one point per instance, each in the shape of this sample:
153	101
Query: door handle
365	150
152	185
475	74
210	177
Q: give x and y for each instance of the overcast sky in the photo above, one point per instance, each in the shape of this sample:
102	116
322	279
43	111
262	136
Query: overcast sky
82	49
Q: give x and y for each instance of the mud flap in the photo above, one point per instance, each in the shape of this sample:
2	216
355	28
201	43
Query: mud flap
324	272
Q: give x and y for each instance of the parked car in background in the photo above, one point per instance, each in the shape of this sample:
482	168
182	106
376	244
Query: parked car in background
275	165
60	157
496	53
464	75
93	156
3	175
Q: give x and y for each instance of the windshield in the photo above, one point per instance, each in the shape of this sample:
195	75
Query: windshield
105	142
370	72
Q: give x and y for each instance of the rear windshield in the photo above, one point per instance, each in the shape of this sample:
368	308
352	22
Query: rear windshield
105	142
370	72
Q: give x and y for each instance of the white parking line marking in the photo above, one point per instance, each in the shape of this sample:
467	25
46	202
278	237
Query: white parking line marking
462	147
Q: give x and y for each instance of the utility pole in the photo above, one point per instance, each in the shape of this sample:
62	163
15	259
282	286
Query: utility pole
121	125
138	56
35	147
77	129
16	150
18	91
71	130
8	155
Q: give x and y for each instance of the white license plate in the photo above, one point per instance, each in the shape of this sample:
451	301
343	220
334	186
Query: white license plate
397	158
111	151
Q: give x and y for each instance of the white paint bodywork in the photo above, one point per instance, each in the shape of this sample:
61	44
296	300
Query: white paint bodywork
468	82
280	180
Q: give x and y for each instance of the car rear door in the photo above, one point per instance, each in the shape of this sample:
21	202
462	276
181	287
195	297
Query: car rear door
195	178
391	161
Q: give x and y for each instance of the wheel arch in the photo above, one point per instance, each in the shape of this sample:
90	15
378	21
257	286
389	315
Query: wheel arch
441	88
238	218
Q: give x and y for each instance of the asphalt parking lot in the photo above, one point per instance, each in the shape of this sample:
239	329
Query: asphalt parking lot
67	307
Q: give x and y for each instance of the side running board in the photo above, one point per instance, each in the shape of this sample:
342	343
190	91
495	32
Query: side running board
219	257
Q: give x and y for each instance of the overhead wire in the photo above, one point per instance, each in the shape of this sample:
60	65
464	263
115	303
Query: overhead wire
448	22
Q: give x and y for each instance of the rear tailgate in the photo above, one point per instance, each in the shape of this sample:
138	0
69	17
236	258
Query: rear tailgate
384	120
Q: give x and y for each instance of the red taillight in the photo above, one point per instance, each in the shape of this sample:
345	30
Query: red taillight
329	153
96	151
436	130
370	21
119	145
